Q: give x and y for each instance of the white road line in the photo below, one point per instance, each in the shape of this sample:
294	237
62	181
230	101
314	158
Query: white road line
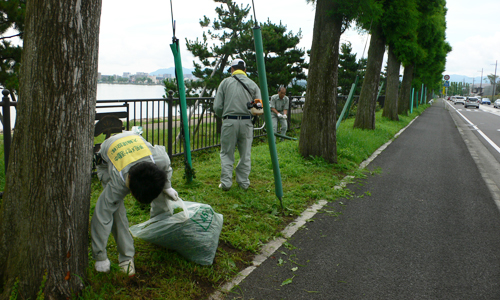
478	130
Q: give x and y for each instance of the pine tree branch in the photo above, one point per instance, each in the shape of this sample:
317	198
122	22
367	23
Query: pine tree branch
9	37
6	57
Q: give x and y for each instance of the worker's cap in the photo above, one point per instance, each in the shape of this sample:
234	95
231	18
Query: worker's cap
238	63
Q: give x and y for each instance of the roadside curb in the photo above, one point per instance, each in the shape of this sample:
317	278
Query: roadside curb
271	247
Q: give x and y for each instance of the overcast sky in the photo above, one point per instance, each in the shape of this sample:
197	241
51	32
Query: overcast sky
135	36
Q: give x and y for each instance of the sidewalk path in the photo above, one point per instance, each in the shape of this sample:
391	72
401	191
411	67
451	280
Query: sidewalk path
424	226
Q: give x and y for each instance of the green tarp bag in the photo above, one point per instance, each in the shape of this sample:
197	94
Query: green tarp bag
193	232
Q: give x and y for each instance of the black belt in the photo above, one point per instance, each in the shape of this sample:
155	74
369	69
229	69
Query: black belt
237	117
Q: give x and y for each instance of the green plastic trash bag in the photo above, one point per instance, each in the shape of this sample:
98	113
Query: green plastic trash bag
192	229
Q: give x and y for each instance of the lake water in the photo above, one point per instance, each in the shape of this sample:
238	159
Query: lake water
117	91
129	91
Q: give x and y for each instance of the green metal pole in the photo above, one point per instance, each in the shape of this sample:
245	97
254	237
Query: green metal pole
261	69
285	136
422	95
412	94
182	96
416	98
348	103
380	89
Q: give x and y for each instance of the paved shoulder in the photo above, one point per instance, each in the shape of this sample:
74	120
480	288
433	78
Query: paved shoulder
423	227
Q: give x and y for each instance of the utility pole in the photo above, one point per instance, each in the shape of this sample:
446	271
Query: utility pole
481	84
494	82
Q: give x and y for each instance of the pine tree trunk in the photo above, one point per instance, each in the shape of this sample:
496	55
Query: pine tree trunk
45	214
405	95
365	115
391	92
318	134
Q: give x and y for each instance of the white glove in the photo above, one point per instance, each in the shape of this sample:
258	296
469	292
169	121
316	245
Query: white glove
171	193
103	266
280	115
283	116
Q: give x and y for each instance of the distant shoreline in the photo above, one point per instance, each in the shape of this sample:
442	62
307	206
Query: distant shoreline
129	83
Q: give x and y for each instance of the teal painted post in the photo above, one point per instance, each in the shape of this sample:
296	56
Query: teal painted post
422	95
182	96
380	90
412	94
261	69
347	105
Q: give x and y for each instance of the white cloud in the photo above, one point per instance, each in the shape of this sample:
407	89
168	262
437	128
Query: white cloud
136	38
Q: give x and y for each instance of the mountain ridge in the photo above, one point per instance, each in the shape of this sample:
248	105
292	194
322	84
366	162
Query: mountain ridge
171	71
467	79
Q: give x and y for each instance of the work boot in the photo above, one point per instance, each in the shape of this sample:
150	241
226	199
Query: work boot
103	266
128	267
225	189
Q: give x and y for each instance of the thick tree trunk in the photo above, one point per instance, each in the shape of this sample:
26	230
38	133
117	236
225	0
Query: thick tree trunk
392	89
429	95
45	212
405	95
318	135
365	115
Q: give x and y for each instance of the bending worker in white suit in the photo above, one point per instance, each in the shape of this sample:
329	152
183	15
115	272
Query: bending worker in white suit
129	164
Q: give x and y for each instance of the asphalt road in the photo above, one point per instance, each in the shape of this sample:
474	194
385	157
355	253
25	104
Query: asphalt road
424	225
486	119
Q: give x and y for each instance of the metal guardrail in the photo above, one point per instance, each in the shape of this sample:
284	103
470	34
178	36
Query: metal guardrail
161	120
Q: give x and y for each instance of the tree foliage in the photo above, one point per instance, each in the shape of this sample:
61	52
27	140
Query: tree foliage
416	31
285	63
348	68
492	78
225	38
231	37
12	15
430	66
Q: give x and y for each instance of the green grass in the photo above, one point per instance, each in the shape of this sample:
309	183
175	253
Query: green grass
251	218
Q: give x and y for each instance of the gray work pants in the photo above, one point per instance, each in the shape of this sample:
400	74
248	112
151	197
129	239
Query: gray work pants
283	122
101	226
236	133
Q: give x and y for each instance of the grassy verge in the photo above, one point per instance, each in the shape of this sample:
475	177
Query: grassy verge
251	218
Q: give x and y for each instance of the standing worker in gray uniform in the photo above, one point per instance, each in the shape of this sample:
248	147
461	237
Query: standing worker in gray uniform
279	106
127	164
232	105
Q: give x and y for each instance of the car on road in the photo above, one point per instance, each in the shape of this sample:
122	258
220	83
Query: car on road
459	100
298	102
471	101
486	101
496	104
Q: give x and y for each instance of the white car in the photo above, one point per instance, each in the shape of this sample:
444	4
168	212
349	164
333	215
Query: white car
459	100
471	101
496	104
